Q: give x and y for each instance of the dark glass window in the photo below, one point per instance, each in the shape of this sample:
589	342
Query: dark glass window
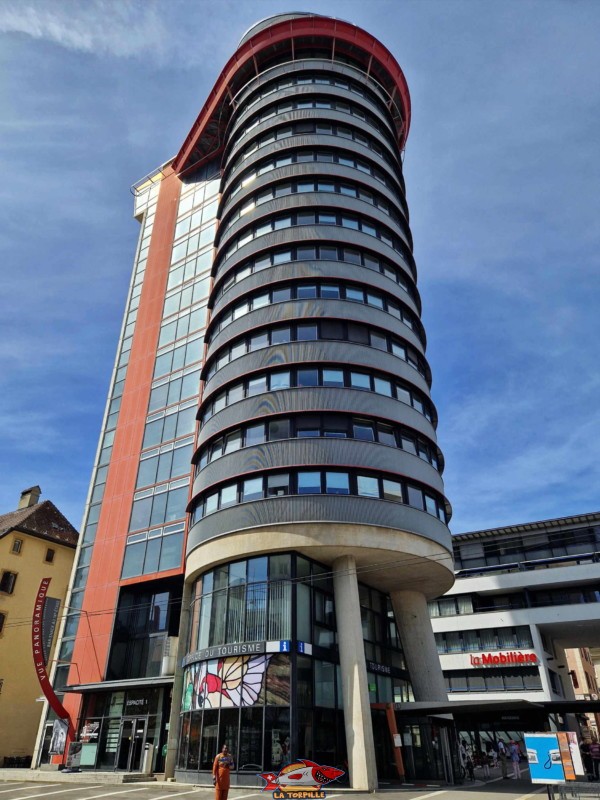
279	380
280	295
278	485
337	483
279	429
306	332
257	385
332	329
378	341
333	377
307	425
335	426
308	377
362	429
281	335
258	340
328	253
415	497
309	483
306	253
385	434
252	489
360	380
306	292
358	333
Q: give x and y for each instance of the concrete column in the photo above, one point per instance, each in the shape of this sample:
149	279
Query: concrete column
418	641
355	689
173	738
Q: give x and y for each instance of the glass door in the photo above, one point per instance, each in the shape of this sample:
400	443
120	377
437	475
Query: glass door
132	738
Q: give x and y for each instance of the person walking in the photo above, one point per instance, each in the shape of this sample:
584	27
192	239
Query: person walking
503	756
466	761
222	765
586	757
486	760
595	754
515	757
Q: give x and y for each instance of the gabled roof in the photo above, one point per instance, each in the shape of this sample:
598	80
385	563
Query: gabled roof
43	520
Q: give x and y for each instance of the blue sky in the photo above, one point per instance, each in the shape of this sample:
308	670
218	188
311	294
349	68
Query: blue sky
502	173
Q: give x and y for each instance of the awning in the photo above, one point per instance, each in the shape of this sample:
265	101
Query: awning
131	683
484	707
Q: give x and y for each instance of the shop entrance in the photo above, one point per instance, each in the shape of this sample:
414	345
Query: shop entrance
132	738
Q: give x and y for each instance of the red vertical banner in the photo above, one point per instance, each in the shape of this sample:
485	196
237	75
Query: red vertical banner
39	662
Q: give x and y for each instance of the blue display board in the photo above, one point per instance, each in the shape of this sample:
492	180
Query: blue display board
543	754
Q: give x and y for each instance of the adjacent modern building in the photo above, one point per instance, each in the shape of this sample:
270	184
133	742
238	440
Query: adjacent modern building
266	519
524	594
37	544
585	684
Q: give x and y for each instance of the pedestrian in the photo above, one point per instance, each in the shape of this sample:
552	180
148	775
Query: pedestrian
485	763
503	756
586	757
492	755
222	765
595	754
515	757
466	761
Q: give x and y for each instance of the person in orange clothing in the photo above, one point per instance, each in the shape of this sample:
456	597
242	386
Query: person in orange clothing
222	765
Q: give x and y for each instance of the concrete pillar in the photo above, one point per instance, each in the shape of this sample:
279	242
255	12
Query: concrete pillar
173	737
418	641
353	668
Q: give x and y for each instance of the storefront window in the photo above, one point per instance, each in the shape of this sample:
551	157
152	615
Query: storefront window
244	699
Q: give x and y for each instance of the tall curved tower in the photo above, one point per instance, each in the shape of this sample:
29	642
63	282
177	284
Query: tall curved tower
318	479
274	596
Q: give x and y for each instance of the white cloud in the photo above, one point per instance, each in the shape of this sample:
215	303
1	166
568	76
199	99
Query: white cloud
121	29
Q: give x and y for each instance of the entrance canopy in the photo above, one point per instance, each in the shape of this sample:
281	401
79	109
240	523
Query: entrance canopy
131	683
487	707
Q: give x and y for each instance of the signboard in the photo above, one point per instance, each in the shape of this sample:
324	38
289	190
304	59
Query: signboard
49	620
553	757
381	669
513	658
565	754
89	732
222	651
571	755
58	741
74	757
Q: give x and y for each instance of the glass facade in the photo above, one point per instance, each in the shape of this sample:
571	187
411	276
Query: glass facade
262	671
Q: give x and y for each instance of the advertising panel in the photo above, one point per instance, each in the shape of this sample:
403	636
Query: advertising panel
543	754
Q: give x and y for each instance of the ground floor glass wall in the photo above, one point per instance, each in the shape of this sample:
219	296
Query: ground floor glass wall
118	728
262	672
